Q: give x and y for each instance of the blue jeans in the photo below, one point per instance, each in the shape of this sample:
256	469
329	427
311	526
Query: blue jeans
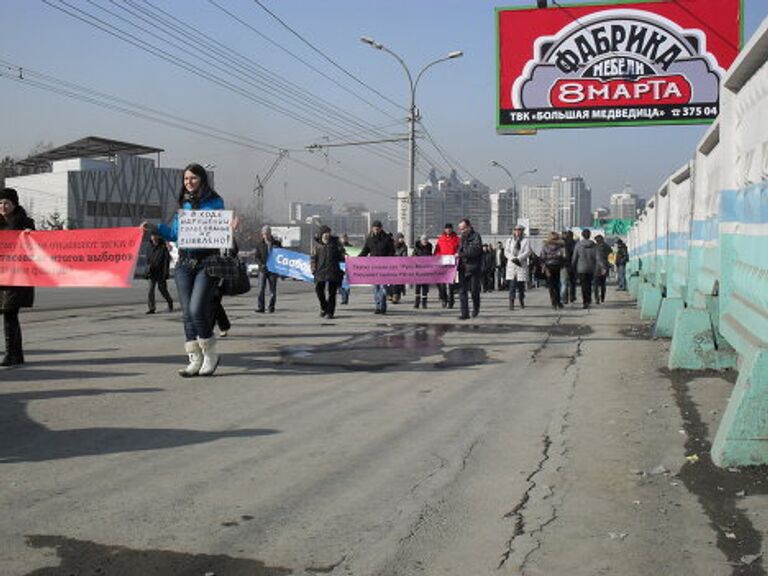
267	278
380	297
621	276
344	293
195	289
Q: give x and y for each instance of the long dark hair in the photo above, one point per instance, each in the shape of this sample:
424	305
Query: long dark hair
204	190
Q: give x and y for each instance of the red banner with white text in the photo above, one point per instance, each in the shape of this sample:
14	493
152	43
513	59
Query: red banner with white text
635	62
103	257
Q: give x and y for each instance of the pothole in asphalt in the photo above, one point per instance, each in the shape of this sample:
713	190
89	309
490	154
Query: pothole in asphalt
84	557
400	346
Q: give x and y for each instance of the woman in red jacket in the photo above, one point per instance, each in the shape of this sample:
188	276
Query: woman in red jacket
447	245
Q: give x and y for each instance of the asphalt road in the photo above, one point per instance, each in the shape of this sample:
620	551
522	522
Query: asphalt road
535	442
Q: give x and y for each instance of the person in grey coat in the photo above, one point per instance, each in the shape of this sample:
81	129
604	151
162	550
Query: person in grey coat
584	263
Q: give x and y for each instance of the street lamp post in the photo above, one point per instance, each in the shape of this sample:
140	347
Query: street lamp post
515	203
413	116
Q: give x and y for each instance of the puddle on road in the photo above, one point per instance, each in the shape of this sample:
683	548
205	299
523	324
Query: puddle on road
638	331
82	557
720	491
403	345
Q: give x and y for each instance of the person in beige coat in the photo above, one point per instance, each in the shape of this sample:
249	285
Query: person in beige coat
517	249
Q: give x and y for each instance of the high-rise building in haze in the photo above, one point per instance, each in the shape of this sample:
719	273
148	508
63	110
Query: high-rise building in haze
300	211
574	200
503	213
446	199
624	204
566	203
539	206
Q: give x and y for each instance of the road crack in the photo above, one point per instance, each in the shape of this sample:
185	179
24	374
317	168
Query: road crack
517	513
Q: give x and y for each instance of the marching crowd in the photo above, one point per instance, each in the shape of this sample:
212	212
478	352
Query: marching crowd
200	274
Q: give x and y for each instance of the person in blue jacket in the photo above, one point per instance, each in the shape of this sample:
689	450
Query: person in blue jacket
195	275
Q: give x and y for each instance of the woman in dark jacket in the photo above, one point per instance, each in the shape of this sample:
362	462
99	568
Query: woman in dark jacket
13	298
327	254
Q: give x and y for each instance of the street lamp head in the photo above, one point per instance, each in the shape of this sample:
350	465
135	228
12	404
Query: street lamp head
456	54
493	163
371	42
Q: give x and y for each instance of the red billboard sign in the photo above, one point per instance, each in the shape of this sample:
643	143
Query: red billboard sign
630	63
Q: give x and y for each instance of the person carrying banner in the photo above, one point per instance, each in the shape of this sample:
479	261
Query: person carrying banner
422	248
158	266
13	298
379	243
326	257
263	247
517	249
447	245
397	291
345	290
470	257
196	275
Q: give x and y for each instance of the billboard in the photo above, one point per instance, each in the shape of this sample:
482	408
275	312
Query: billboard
637	62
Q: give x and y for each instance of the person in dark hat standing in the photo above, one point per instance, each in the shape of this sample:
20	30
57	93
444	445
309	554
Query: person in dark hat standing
13	298
379	243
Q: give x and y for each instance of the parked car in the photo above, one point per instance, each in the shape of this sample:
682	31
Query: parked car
253	269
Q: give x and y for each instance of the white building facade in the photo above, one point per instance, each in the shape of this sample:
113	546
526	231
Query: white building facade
97	193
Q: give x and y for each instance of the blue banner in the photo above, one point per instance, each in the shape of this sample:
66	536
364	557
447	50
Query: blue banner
293	265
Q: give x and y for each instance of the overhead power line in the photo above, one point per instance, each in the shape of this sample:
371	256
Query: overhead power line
325	56
295	56
268	83
29	77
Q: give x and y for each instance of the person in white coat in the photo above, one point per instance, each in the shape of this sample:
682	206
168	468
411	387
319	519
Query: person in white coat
517	249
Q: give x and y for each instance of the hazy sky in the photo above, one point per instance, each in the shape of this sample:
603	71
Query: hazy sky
456	99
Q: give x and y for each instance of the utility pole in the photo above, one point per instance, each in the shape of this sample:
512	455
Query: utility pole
413	117
258	188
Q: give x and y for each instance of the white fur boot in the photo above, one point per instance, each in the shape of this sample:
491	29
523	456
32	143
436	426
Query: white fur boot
210	356
195	359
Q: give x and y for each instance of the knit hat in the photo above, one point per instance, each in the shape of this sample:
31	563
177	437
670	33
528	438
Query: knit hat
10	194
376	224
266	229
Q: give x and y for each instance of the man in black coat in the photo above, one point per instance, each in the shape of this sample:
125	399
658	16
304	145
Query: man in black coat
379	243
470	268
158	266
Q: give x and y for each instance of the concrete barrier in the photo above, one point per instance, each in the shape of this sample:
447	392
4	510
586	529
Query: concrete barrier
699	256
742	437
